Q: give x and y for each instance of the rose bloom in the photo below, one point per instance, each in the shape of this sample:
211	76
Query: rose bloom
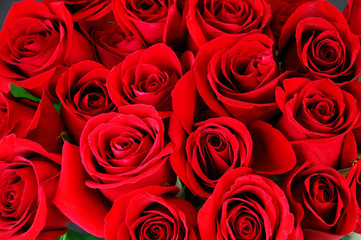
29	178
216	146
246	206
208	19
327	49
110	43
321	201
146	77
237	77
206	147
35	40
125	151
151	213
154	21
83	94
118	153
88	10
318	118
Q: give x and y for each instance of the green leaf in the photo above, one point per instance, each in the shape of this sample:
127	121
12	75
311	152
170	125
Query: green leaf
57	107
71	235
181	193
22	93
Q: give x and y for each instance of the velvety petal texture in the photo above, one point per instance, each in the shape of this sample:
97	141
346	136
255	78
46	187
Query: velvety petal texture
26	121
207	19
316	39
215	147
206	149
321	201
237	77
151	213
318	118
246	206
34	41
111	44
154	21
125	151
29	180
354	182
84	206
83	94
352	13
88	10
146	77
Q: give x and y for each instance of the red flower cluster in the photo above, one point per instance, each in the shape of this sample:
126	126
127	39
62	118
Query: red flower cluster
180	119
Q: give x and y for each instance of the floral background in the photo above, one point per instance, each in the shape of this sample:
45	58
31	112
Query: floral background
5	5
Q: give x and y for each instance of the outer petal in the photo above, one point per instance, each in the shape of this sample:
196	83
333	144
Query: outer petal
352	13
273	154
84	206
46	126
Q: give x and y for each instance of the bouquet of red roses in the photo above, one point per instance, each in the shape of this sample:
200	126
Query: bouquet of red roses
180	119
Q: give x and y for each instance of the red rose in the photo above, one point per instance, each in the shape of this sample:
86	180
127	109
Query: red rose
318	118
321	201
125	151
111	44
146	77
35	39
237	77
317	40
218	145
32	123
88	10
149	213
83	94
246	206
29	178
208	19
153	21
207	149
214	147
